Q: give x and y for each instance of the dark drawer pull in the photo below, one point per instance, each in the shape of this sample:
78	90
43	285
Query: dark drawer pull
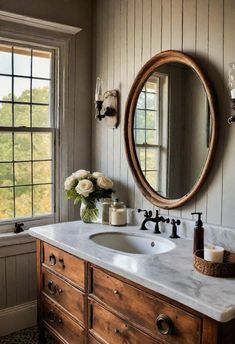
51	316
52	259
164	324
51	287
61	261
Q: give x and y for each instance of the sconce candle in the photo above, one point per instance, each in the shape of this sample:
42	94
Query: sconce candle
99	90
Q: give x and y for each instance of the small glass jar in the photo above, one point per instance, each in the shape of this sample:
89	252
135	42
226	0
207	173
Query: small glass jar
117	214
106	204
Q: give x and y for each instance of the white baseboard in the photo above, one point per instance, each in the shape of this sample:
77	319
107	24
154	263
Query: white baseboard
18	317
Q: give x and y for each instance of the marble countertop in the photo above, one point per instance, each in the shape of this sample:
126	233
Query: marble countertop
171	274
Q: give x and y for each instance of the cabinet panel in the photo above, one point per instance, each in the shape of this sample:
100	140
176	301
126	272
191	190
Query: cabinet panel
72	299
114	330
143	309
65	264
92	340
61	324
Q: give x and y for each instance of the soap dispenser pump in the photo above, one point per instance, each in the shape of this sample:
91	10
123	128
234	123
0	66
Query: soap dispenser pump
198	243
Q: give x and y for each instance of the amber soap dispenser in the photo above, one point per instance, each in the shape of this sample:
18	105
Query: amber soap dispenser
198	242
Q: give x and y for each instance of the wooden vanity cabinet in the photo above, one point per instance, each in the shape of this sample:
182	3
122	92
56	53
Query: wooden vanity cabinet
81	303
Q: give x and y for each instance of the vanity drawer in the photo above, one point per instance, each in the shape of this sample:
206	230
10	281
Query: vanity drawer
113	330
92	340
62	324
143	309
72	299
65	264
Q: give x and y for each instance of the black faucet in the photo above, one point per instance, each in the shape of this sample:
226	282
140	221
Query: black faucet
149	218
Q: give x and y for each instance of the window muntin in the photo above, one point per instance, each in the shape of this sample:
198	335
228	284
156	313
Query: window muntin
26	133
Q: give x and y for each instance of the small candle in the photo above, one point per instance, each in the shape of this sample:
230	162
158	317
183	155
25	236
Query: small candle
99	90
214	253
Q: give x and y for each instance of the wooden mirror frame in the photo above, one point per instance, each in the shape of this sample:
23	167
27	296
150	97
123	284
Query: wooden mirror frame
151	66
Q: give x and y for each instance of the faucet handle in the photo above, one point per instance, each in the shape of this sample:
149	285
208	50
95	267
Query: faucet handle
174	234
146	213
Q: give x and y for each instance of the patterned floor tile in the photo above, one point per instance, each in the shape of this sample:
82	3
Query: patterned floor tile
26	336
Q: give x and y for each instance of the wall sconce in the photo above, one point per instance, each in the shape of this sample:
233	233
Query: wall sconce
106	105
231	83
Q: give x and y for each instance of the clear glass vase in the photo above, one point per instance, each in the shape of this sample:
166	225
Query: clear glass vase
89	212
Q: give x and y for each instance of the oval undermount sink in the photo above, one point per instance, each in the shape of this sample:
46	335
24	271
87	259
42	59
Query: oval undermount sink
133	243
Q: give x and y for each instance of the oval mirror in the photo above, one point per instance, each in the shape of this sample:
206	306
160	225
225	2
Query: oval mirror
170	129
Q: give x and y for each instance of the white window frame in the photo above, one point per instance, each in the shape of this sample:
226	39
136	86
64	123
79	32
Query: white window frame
60	38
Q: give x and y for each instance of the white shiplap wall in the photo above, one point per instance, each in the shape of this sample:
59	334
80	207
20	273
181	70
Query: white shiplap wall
126	34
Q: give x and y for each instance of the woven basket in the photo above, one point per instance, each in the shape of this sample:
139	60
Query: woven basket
225	269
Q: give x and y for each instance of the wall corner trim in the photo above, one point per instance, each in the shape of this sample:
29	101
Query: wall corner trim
39	23
16	318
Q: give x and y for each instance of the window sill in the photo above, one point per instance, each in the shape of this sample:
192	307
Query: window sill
8	239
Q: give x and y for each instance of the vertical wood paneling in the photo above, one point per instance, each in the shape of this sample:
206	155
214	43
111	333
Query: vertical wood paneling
228	213
22	269
189	42
2	283
11	281
216	31
32	277
139	30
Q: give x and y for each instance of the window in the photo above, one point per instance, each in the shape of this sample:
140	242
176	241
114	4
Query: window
150	131
27	132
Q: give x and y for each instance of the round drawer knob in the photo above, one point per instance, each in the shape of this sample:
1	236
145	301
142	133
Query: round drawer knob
51	287
61	260
60	321
164	324
115	291
52	259
116	330
60	290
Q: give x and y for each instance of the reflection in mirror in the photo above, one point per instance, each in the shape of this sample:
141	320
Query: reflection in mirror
172	129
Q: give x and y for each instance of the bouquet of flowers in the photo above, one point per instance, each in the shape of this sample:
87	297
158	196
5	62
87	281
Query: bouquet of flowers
88	188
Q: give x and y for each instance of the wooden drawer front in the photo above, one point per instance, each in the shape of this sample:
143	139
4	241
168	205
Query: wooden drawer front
67	296
92	340
64	263
114	330
143	309
62	324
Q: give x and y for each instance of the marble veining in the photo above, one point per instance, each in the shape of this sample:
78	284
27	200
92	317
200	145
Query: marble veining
171	274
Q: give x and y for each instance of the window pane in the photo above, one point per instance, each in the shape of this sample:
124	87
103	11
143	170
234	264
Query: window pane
5	115
23	173
42	172
151	137
22	115
151	101
152	178
5	87
42	146
152	159
5	146
22	146
6	174
151	86
22	90
6	204
40	91
5	59
141	156
140	119
40	116
41	64
23	201
141	101
151	120
22	61
42	199
140	137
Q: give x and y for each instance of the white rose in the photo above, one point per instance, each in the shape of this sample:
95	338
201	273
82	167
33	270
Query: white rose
80	174
104	182
97	174
69	183
84	187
